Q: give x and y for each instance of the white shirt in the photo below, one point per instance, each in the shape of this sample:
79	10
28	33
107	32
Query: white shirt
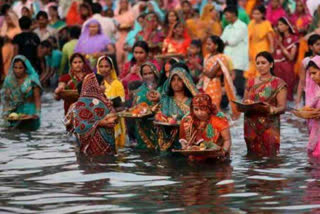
236	35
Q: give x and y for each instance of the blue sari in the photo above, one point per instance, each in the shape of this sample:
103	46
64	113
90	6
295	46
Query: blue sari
15	97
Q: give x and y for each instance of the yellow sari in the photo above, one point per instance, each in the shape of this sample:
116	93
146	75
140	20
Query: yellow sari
113	90
203	28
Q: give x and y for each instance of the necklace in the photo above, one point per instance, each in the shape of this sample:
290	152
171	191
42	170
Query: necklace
265	80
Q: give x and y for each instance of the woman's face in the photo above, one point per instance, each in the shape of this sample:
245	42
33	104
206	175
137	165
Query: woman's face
211	47
257	15
179	30
104	68
299	7
140	54
275	4
213	13
8	20
186	8
315	74
123	5
52	12
152	21
19	69
172	18
77	64
201	114
316	48
263	65
84	11
25	12
177	84
147	74
93	29
282	27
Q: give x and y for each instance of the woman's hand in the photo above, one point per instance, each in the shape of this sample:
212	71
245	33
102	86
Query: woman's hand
153	96
109	121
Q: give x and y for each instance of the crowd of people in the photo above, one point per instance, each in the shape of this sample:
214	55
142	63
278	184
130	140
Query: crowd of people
186	61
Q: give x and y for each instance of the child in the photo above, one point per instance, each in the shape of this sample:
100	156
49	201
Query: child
205	127
195	60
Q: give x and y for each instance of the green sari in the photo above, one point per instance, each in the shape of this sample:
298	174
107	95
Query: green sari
168	137
145	132
15	97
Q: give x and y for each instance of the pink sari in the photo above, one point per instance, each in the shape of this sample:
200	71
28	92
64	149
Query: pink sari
312	91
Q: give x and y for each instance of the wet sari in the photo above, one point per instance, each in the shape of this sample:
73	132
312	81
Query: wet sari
312	91
170	107
146	134
262	132
193	131
113	90
84	117
16	98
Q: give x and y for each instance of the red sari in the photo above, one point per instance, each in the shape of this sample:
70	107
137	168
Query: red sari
262	132
283	67
71	80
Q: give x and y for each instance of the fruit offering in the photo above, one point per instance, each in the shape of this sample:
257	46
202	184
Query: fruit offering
160	117
140	109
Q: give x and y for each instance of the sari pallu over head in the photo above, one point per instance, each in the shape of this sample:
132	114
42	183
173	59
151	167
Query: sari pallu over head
168	104
92	44
85	116
13	95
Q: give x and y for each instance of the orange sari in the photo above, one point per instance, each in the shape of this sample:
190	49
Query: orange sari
213	86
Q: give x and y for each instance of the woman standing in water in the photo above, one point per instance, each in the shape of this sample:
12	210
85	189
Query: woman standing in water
92	120
262	127
313	69
79	69
21	93
113	88
146	134
175	103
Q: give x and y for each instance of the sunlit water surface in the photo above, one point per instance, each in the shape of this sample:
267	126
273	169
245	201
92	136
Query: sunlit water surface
41	172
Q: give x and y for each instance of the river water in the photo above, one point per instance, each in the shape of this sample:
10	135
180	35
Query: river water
41	172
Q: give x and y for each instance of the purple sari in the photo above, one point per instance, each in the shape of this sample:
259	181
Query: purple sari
92	44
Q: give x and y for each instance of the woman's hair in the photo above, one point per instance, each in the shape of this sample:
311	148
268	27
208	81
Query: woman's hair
312	64
311	41
75	55
141	44
197	43
20	60
218	41
268	57
261	8
55	8
285	21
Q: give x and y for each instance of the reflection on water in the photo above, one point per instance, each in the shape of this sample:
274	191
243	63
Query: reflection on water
42	172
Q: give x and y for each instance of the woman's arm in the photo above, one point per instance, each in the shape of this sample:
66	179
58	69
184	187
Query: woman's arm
37	99
282	103
290	55
302	84
271	42
213	71
226	136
